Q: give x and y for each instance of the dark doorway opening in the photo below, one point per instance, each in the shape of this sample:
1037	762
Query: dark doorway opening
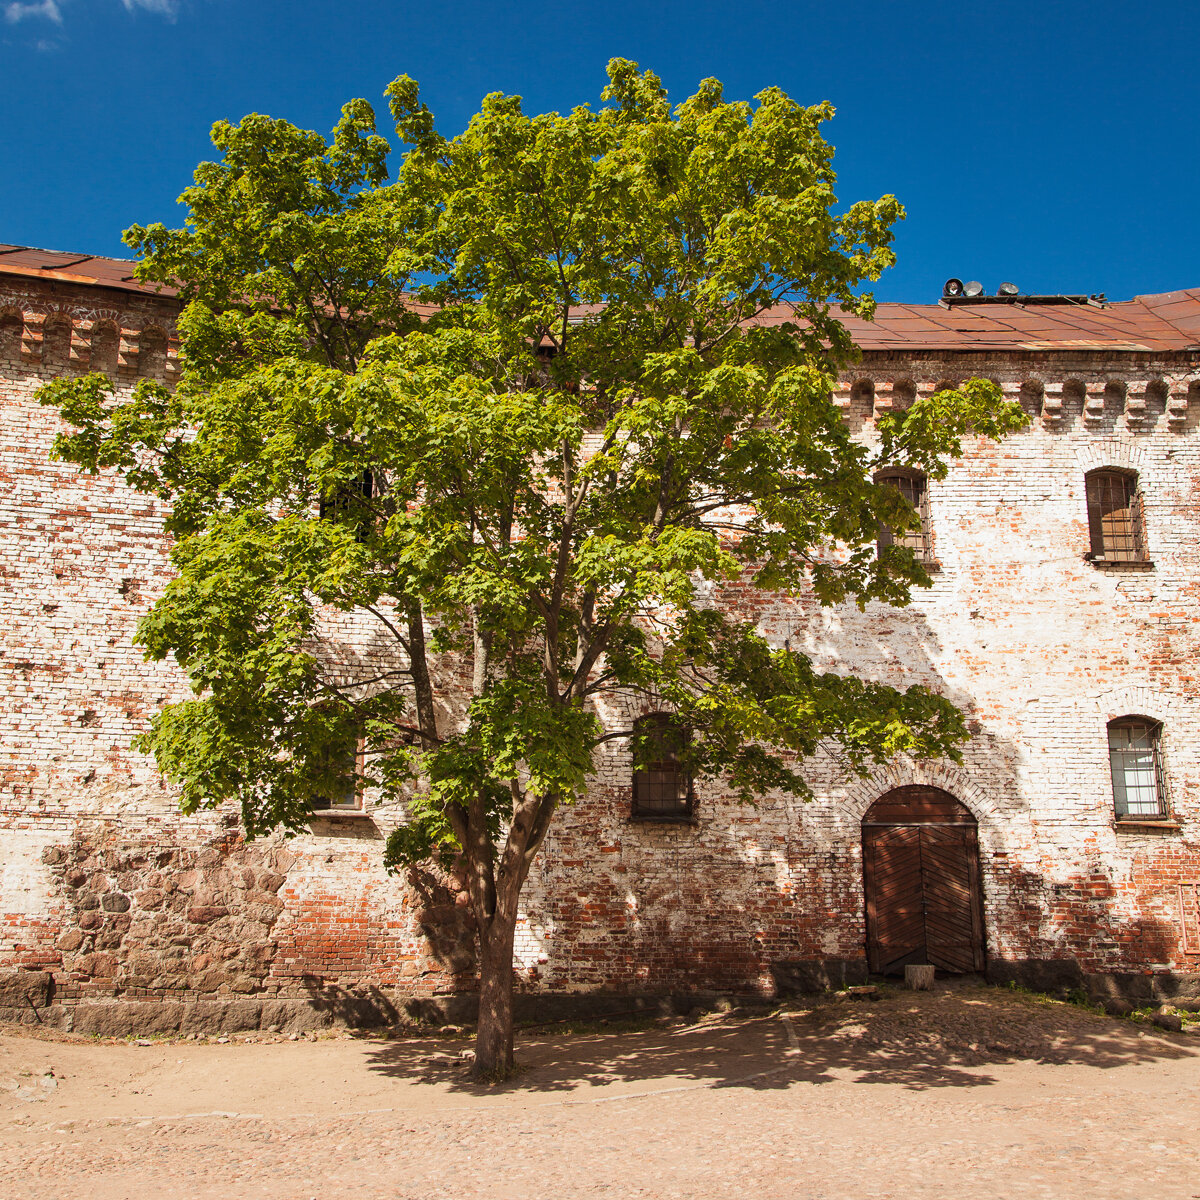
921	874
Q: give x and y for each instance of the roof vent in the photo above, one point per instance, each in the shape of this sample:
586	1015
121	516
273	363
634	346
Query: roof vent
955	293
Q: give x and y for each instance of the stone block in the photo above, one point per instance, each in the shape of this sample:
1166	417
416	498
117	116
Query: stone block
1131	986
103	1018
1176	987
294	1015
204	914
155	1017
203	1016
26	989
365	1012
1054	976
818	974
1168	1020
241	1015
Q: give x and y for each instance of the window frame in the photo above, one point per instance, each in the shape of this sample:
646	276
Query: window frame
324	806
1153	730
683	813
1187	944
334	507
920	540
1104	546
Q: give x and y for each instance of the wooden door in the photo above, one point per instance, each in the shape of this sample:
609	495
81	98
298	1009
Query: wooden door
895	897
921	876
950	880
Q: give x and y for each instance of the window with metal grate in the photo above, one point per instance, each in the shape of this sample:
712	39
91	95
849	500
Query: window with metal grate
1135	758
662	788
912	486
1115	517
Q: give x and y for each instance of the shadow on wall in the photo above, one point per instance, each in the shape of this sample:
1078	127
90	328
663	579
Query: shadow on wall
745	894
1086	947
720	903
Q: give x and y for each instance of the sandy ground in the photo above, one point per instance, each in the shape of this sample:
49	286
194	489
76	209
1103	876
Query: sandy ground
958	1093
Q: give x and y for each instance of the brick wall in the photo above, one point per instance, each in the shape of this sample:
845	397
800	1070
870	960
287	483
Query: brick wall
105	885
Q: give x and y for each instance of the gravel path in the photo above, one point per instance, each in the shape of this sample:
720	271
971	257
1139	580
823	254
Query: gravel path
960	1093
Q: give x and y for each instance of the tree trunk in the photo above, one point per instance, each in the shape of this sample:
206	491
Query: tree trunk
494	1036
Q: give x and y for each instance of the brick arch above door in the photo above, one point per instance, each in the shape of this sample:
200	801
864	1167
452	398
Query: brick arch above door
949	777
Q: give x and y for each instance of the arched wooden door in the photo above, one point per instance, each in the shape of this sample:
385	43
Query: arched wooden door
921	873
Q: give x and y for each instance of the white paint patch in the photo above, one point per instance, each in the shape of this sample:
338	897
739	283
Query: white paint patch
25	882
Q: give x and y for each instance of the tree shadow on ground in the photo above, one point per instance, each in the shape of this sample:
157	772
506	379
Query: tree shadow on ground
948	1038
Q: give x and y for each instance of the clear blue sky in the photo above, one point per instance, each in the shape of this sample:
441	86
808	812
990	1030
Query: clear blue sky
1053	144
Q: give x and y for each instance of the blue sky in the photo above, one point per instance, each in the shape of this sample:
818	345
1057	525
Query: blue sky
1052	144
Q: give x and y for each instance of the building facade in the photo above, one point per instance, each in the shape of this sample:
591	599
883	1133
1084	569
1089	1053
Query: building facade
1064	619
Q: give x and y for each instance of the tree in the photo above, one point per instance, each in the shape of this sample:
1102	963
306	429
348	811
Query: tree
516	410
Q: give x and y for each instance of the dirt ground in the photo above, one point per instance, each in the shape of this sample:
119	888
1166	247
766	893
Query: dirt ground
963	1092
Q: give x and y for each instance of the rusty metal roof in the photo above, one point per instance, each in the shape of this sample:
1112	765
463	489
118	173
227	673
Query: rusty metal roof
1164	322
1169	321
87	269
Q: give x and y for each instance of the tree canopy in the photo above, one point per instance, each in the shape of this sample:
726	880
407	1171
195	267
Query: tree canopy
456	459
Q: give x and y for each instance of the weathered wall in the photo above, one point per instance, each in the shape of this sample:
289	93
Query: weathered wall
106	887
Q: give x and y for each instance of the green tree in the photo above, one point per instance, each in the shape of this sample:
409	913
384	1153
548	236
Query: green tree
543	347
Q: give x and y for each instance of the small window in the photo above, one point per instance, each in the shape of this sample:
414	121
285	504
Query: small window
911	485
348	502
342	768
904	394
1115	517
662	789
1135	757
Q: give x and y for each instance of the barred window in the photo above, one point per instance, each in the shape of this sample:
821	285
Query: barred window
662	789
1115	517
1135	757
911	485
